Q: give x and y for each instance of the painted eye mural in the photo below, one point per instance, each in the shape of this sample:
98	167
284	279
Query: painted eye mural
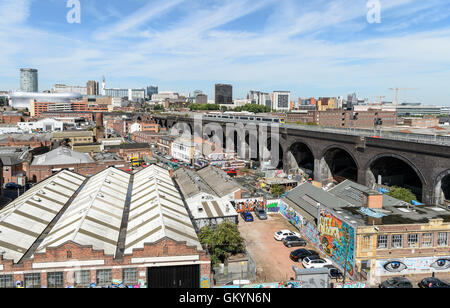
395	266
441	264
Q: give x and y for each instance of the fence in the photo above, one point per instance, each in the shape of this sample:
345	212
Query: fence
225	273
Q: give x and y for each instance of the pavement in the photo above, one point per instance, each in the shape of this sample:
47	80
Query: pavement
272	257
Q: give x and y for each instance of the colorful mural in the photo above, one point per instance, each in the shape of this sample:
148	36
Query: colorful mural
337	240
351	285
292	216
404	266
273	206
269	285
205	283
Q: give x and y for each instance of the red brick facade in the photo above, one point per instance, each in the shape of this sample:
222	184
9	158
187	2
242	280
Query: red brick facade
47	262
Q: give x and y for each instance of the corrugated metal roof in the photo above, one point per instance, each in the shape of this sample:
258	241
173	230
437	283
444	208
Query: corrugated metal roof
23	220
95	215
157	211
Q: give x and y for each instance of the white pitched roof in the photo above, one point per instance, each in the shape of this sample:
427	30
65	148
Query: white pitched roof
157	211
23	220
95	216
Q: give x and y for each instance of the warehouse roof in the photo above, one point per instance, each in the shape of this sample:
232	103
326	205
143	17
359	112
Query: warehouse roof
96	212
62	156
157	211
23	220
218	181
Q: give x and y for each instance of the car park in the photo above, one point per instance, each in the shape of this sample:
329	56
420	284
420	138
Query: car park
299	254
334	272
433	283
261	213
396	283
247	216
281	235
294	241
315	263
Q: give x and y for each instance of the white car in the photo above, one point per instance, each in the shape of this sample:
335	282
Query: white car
281	235
315	262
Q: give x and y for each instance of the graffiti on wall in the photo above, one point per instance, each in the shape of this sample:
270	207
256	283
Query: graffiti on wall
273	206
244	205
291	215
404	266
311	232
205	283
351	285
337	240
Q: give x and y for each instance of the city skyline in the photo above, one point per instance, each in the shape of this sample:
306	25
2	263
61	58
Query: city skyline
314	48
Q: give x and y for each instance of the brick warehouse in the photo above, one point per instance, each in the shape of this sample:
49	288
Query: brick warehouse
110	229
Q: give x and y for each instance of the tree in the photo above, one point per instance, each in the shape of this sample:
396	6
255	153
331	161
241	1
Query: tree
253	108
402	194
278	190
222	241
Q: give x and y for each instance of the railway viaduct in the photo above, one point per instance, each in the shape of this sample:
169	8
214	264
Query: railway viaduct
422	167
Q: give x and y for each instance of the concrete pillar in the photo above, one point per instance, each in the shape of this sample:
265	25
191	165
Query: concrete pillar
321	170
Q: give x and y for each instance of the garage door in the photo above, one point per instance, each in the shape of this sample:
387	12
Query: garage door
186	276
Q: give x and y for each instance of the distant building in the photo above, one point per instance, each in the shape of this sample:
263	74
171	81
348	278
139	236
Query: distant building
62	88
260	98
92	87
151	90
223	94
29	80
23	100
281	100
201	99
44	125
351	119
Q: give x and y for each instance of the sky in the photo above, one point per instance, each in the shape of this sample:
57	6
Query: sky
313	48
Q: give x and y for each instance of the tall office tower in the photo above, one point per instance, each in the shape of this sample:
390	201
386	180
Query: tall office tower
224	94
151	90
29	80
92	87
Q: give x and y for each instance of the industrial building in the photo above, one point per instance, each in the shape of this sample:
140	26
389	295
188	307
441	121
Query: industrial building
111	229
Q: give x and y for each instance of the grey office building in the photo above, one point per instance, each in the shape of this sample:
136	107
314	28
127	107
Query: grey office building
224	94
29	80
152	90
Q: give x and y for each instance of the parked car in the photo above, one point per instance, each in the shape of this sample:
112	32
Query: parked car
247	217
334	272
315	263
238	282
294	241
261	213
396	283
299	254
12	186
281	235
433	283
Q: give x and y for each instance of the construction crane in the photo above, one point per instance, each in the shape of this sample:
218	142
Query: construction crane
397	90
381	98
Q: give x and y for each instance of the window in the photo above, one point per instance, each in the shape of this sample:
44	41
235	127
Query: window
413	240
82	278
366	242
130	276
427	240
32	281
382	242
442	239
55	280
6	281
104	277
397	241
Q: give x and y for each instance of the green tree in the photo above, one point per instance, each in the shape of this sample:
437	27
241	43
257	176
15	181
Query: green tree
222	241
253	108
278	190
402	194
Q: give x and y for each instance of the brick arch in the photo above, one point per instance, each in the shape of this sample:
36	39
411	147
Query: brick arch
437	185
343	148
402	158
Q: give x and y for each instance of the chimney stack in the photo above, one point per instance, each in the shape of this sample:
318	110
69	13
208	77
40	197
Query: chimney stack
373	200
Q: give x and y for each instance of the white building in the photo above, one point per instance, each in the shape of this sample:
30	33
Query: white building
183	150
45	125
62	88
135	127
162	96
260	98
281	100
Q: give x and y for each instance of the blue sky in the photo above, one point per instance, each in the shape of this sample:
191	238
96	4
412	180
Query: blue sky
313	47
